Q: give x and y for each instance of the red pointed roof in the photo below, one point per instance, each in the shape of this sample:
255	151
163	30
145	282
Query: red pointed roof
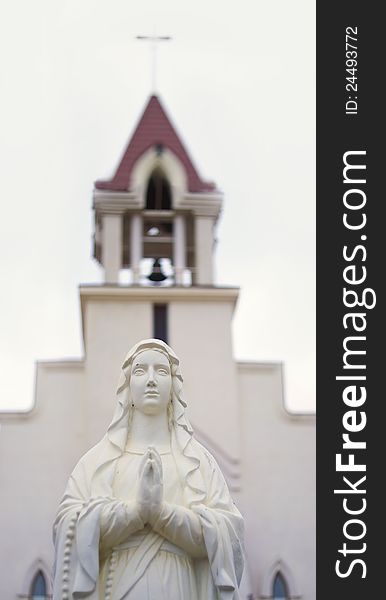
153	129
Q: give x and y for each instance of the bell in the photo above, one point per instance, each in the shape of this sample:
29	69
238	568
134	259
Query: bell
156	275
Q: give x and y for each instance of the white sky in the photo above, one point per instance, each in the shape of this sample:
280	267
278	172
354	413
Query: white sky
239	83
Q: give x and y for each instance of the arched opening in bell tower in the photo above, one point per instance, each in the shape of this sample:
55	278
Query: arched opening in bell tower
158	193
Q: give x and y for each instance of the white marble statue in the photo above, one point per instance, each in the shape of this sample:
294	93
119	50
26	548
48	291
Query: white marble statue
147	514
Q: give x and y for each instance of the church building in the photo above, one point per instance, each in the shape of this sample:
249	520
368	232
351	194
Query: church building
155	223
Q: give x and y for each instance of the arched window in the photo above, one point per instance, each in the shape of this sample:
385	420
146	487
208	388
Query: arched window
158	195
39	587
280	590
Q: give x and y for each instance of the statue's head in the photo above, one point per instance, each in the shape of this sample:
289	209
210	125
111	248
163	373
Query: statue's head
151	380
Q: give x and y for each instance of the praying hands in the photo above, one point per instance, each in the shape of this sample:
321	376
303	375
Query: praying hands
150	489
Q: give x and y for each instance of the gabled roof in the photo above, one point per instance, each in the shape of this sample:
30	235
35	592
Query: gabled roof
154	129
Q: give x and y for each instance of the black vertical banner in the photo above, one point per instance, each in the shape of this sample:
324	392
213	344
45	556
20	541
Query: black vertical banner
351	359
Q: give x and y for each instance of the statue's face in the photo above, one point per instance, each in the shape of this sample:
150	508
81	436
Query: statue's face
150	382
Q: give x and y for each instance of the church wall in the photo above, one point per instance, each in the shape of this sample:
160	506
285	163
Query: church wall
38	450
278	484
200	334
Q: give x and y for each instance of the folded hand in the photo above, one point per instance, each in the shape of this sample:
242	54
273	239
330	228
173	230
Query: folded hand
150	489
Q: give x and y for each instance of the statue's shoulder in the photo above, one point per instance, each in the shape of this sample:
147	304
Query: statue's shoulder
89	461
209	466
206	457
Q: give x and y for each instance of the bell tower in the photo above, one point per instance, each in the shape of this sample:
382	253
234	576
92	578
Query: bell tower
157	207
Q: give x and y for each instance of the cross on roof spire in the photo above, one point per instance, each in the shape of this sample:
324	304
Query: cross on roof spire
154	40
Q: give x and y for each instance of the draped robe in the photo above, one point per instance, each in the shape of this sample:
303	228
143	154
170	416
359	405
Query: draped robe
104	551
